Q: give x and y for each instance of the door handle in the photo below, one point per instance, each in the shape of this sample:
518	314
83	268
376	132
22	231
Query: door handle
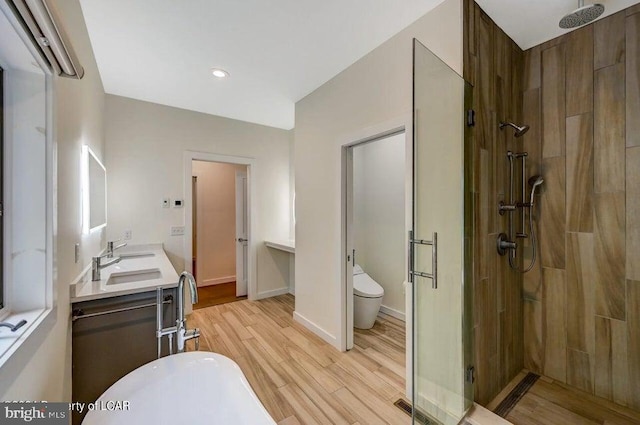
434	259
243	240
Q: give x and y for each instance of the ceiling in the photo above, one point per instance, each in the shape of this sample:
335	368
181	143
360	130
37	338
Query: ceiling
531	22
276	51
163	51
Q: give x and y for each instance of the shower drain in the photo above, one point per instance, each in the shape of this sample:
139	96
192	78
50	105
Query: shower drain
516	395
406	408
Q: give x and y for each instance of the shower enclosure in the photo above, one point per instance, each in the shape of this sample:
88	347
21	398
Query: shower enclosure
573	320
439	245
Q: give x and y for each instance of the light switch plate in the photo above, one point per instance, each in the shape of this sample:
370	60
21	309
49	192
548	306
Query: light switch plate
177	230
166	203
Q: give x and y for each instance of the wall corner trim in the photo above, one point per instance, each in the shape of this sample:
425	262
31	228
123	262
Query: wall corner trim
326	336
217	281
393	312
272	293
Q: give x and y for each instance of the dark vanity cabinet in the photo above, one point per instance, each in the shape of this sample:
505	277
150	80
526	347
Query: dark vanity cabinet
111	337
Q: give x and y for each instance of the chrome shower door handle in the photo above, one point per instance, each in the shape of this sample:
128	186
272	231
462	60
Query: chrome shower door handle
434	259
410	258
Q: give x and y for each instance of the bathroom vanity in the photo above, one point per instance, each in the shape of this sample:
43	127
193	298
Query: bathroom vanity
114	320
288	246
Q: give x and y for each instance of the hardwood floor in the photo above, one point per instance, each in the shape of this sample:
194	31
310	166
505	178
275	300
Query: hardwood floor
301	379
550	402
217	294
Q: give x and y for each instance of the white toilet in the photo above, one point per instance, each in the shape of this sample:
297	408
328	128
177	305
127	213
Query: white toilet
367	299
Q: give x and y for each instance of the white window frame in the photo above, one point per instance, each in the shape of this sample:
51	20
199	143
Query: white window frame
41	317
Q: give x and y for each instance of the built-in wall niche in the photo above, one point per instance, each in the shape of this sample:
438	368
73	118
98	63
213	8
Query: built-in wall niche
94	191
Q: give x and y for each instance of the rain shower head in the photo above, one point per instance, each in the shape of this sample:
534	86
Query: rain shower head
582	15
520	130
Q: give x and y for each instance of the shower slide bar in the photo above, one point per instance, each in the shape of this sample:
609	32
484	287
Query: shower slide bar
434	259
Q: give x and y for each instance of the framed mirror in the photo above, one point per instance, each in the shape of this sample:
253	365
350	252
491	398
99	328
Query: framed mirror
94	191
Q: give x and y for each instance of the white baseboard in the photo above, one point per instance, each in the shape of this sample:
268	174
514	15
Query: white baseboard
217	281
272	293
392	312
326	336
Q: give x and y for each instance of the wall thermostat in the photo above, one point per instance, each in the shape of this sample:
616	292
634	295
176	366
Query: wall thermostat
177	203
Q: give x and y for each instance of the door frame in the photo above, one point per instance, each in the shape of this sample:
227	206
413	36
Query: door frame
348	142
188	158
239	175
194	225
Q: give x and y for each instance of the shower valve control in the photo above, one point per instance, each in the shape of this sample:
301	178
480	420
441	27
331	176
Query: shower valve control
504	244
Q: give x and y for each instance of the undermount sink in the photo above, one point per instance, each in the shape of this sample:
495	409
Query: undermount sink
133	276
134	255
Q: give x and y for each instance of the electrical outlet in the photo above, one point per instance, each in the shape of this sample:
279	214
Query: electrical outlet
166	203
127	235
177	230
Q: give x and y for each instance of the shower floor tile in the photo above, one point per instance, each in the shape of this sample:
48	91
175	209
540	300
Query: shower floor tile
550	402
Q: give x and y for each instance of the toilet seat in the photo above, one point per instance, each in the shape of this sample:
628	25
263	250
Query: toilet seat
364	286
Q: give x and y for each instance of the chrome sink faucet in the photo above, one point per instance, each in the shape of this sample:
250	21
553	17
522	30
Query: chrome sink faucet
97	265
182	334
111	248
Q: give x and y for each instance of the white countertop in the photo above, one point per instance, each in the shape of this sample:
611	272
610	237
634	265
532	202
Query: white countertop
288	245
86	289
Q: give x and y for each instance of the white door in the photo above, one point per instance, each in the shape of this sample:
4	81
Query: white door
242	235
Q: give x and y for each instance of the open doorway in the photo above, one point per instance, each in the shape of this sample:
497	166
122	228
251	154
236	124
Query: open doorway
219	231
377	218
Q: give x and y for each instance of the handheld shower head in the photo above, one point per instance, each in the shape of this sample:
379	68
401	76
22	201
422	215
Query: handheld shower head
534	182
520	129
582	15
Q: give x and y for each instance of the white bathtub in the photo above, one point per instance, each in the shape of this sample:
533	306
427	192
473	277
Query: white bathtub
188	388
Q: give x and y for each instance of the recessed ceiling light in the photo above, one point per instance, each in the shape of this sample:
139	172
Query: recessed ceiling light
220	73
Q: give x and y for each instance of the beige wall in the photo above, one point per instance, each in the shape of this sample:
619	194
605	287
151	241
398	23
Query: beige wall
78	120
379	171
216	221
145	144
374	90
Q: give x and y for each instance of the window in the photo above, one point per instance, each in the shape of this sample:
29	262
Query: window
26	189
1	186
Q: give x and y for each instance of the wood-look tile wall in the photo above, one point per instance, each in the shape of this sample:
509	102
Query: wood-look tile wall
493	65
582	300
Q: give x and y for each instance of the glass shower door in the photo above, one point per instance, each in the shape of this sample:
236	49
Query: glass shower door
442	387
